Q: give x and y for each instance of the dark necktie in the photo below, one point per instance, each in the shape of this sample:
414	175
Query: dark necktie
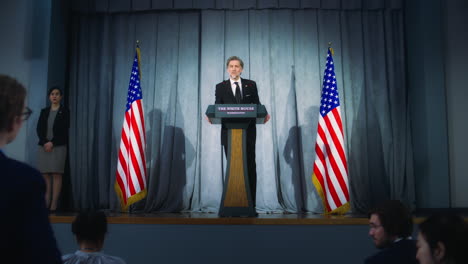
238	93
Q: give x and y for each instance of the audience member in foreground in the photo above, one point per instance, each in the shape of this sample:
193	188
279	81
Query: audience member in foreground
391	226
443	239
26	235
90	229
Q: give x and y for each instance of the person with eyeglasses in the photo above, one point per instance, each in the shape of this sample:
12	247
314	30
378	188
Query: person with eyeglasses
390	227
52	130
26	235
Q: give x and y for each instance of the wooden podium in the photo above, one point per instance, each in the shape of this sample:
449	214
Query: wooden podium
237	197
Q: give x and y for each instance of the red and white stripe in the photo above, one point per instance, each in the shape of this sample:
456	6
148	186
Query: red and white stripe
131	166
330	166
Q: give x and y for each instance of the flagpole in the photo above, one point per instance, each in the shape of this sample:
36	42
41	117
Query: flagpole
137	48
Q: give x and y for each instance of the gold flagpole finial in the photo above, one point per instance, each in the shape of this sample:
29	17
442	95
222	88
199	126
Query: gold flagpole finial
138	43
331	49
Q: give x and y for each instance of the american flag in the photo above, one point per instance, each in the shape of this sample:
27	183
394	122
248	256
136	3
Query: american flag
330	175
130	183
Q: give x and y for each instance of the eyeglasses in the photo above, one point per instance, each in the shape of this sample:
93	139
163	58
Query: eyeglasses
26	114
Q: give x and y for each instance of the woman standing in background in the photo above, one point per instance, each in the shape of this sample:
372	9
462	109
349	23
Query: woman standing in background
52	130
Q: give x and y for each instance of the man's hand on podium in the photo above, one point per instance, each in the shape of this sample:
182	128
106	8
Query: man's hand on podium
267	117
207	119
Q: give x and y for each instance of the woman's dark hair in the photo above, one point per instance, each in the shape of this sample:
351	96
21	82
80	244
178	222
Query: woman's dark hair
54	88
12	96
449	229
90	226
394	217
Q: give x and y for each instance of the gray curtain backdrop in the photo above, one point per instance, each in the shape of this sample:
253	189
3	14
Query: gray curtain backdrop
183	56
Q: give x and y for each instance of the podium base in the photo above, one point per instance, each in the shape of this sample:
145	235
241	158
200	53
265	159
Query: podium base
237	212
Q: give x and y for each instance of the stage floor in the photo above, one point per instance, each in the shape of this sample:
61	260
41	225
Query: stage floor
214	219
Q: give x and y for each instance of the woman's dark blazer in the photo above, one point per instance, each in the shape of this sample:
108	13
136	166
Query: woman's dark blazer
60	128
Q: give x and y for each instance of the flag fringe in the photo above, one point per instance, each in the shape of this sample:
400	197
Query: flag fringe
343	209
131	200
320	192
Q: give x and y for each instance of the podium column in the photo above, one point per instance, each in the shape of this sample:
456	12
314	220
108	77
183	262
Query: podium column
237	198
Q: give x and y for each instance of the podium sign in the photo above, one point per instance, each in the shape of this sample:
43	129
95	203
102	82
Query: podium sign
237	197
234	111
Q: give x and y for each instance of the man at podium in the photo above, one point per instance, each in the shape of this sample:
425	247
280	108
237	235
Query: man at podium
237	90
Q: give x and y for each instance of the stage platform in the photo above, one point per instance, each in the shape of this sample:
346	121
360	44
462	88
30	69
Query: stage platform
214	219
178	238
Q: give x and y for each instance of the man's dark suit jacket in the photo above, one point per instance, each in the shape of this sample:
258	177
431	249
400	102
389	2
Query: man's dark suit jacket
26	235
401	252
60	128
224	95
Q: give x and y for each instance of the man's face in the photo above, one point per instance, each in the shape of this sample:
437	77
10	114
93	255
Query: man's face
376	231
234	69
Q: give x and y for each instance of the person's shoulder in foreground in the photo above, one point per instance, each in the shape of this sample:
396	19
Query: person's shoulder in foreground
18	172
